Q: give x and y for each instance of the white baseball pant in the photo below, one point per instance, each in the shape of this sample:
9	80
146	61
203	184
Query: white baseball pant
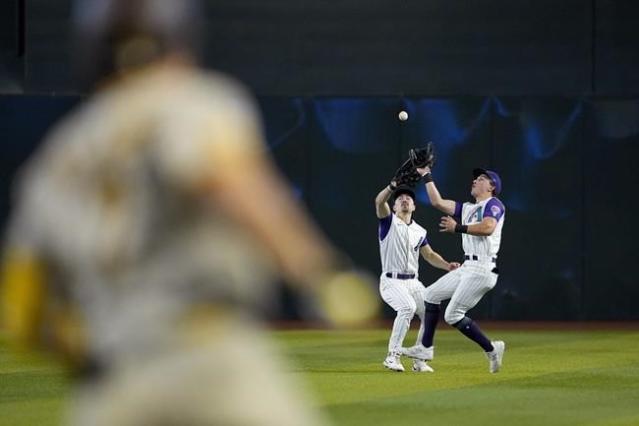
406	298
464	287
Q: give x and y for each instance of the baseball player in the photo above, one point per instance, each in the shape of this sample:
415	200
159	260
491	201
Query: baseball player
153	214
401	241
480	224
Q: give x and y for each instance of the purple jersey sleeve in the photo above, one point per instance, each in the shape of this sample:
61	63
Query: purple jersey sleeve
494	208
384	226
458	209
425	242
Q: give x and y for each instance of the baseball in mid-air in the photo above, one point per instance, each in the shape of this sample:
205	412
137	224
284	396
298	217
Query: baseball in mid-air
403	115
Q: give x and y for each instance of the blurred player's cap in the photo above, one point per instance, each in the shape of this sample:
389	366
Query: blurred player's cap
494	178
111	35
403	190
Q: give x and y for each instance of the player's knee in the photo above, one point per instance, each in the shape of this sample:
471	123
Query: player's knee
452	316
432	307
407	311
428	297
463	323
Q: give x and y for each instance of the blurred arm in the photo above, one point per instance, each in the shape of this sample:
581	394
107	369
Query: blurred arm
224	160
258	198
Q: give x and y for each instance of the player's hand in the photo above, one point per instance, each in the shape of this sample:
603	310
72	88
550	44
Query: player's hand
423	170
447	224
453	265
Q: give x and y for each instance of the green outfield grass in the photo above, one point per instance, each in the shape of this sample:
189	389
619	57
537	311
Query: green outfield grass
548	378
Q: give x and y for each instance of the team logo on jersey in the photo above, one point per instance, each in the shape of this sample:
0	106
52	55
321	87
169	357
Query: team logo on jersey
474	216
478	214
495	210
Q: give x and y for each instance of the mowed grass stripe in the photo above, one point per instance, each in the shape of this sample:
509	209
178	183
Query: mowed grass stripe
549	378
490	404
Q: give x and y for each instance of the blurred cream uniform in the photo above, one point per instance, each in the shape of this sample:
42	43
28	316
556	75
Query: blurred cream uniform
163	279
401	242
153	214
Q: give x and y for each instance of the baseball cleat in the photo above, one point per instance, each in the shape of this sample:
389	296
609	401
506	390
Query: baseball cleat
420	366
418	351
393	363
496	356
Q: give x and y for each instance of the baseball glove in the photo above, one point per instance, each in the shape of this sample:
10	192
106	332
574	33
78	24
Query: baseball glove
417	157
422	157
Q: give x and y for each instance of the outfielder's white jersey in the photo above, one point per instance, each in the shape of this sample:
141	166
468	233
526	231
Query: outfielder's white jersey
485	247
399	245
466	286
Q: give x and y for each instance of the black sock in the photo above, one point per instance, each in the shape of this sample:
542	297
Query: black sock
430	324
470	329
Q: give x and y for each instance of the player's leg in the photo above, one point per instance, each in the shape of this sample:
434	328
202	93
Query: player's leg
440	290
476	281
417	291
443	288
397	296
433	295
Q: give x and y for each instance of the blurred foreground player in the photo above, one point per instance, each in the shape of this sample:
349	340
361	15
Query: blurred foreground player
152	214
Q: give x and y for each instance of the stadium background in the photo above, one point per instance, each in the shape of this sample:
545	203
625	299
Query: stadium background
545	92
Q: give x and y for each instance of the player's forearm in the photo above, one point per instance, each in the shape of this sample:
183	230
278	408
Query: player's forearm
433	194
479	230
302	250
437	201
277	220
381	206
476	229
437	261
383	196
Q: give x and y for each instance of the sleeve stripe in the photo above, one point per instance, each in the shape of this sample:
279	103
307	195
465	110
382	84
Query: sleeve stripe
384	226
494	208
458	209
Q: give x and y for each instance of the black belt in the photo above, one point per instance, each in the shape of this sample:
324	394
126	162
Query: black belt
400	276
474	257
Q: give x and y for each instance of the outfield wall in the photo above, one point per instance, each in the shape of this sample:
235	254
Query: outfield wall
568	167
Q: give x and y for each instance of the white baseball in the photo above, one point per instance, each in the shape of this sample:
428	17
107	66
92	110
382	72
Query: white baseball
403	115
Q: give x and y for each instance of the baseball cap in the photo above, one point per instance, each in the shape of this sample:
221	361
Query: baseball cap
403	190
494	177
